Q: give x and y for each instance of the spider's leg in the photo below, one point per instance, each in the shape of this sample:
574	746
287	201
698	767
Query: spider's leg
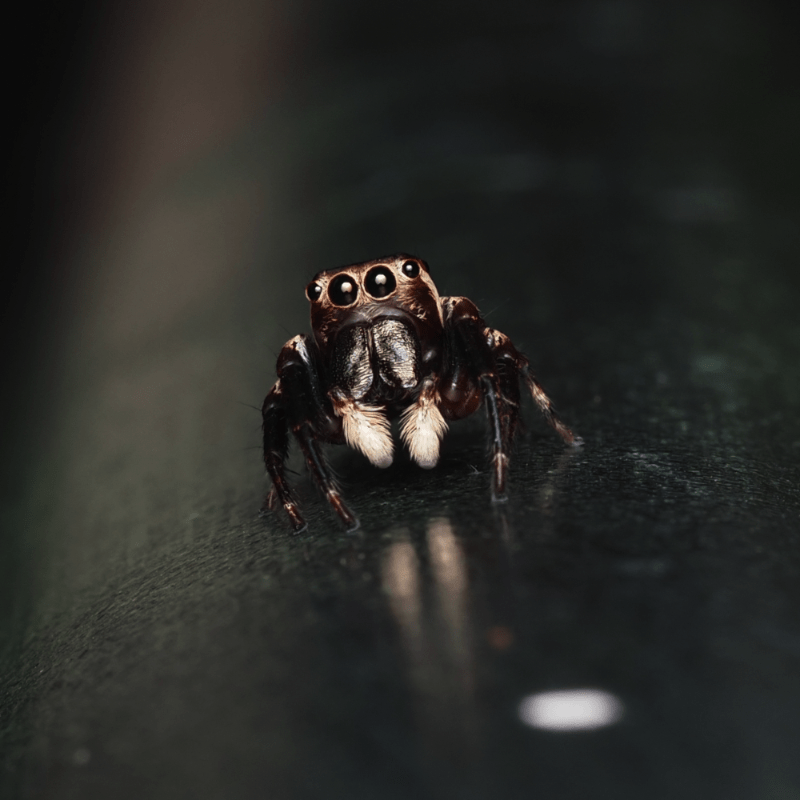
276	448
468	346
513	365
508	375
323	476
311	418
546	405
500	445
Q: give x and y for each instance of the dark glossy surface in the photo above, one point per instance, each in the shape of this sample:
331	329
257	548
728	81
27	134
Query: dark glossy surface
615	185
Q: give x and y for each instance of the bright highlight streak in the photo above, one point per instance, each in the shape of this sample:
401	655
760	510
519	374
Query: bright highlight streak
570	710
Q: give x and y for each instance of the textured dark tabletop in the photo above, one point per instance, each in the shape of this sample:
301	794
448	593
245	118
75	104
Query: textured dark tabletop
615	185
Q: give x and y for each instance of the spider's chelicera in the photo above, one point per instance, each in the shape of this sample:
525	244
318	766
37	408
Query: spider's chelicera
386	345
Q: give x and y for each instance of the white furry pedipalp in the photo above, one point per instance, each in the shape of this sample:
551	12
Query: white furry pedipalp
422	427
367	429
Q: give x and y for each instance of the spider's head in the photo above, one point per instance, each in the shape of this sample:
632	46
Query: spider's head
395	286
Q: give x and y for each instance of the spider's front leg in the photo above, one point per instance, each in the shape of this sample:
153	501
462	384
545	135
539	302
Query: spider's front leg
483	362
276	449
298	403
474	371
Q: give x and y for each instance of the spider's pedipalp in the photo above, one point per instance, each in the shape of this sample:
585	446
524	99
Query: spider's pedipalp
366	429
422	426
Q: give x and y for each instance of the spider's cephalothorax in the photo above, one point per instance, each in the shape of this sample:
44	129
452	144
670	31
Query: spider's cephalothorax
386	345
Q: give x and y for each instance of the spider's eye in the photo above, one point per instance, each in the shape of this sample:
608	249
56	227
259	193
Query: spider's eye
411	269
343	290
313	291
380	282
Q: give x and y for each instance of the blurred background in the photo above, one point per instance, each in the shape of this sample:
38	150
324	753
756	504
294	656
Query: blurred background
614	183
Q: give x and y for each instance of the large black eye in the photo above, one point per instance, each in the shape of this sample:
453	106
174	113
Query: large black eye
380	282
313	291
411	269
343	290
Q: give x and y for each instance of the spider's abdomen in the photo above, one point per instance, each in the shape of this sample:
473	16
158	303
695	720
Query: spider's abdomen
378	362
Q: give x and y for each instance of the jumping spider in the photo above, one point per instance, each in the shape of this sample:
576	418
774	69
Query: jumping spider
386	345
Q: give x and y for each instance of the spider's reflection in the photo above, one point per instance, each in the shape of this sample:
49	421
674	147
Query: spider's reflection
438	644
430	587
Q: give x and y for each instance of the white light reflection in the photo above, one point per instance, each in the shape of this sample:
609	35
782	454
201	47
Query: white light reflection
571	710
429	598
449	567
402	583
